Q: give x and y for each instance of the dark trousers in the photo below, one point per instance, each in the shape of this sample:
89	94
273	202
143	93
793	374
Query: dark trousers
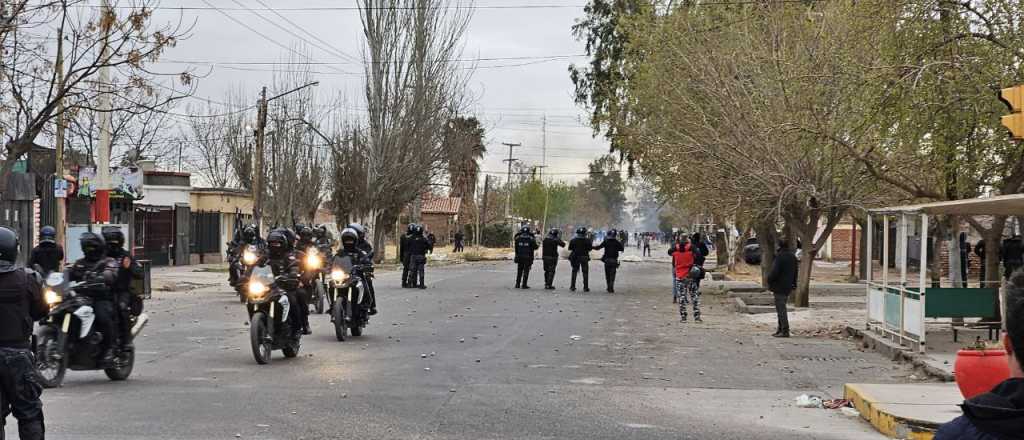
124	318
523	272
371	295
105	321
549	271
780	309
302	298
405	270
458	247
610	267
19	393
647	250
580	265
417	270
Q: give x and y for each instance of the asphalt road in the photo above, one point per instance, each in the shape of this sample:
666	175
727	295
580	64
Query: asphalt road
500	363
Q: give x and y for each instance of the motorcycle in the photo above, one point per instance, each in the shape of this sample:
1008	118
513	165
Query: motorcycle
243	268
268	308
348	314
315	279
66	338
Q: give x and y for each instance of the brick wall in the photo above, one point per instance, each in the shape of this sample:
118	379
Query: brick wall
441	225
842	249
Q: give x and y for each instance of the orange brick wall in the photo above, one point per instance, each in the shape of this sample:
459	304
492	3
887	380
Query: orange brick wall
842	248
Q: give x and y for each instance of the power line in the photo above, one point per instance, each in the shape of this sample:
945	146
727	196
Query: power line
359	62
329	51
342	8
341	54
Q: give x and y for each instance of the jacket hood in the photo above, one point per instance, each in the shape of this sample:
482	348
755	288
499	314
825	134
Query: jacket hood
1000	411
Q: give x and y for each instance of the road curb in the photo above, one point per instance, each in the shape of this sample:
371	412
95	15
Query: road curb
891	425
898	353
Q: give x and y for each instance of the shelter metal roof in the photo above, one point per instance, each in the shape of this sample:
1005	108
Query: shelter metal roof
1010	204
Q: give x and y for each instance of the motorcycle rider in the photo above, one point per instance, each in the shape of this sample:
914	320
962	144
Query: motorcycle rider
247	237
99	272
323	239
287	271
550	255
526	244
417	246
579	257
363	245
403	253
128	270
21	304
48	254
350	247
612	247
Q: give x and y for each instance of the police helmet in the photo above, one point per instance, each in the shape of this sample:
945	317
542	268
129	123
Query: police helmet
524	230
360	229
278	242
419	230
93	246
581	231
411	228
349	237
47	234
8	245
554	232
113	236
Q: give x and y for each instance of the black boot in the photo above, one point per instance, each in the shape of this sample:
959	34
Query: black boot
107	360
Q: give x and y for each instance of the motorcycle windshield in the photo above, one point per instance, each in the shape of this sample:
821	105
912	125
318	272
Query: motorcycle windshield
263	274
341	270
344	263
55	279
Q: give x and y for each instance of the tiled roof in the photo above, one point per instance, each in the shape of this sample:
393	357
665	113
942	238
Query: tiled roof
442	205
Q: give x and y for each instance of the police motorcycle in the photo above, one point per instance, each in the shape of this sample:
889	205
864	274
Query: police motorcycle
269	307
347	292
67	339
243	266
314	277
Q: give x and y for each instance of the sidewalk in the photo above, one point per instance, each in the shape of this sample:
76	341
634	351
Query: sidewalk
906	411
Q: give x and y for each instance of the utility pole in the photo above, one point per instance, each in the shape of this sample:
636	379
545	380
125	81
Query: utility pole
544	164
508	186
481	217
103	184
257	161
59	171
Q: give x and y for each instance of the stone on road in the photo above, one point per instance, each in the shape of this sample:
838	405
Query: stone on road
471	358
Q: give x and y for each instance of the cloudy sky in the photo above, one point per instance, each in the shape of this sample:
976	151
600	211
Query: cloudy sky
518	81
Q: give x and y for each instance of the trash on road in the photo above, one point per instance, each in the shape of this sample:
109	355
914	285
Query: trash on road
837	403
576	337
850	412
808	401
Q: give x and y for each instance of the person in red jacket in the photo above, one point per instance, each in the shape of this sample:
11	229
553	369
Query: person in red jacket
682	261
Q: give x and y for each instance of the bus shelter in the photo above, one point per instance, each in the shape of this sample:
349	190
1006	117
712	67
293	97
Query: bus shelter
901	304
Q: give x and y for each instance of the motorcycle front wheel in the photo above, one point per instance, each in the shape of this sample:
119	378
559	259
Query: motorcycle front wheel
319	299
338	315
258	338
125	364
51	364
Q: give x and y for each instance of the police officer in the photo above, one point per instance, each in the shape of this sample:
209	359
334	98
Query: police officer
612	247
48	255
366	248
350	247
579	257
21	304
124	299
403	253
417	247
99	273
525	244
287	271
550	254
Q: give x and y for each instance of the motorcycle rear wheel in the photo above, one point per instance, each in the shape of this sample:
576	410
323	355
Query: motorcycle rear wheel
127	364
261	349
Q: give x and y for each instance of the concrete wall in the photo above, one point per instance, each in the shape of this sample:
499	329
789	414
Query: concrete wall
220	202
164	195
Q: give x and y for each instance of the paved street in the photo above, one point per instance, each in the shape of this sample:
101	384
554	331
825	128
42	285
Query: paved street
501	363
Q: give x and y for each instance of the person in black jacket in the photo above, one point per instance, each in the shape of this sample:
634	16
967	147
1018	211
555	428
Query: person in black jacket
612	247
998	414
21	304
550	255
287	269
1013	255
100	272
403	253
526	244
579	258
417	247
364	246
782	282
979	250
48	255
124	299
457	245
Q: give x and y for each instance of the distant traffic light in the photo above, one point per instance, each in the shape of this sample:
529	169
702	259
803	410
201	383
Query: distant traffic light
1013	97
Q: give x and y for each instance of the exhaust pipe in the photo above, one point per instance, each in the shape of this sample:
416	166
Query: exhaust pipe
140	323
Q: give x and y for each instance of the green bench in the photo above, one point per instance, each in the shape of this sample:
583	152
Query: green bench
964	302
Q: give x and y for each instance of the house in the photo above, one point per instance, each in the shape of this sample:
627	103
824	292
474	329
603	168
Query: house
213	219
440	216
163	217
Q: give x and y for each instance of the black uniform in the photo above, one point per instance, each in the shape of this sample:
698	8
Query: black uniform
1013	255
417	247
21	304
550	255
366	249
125	300
361	258
48	255
403	252
457	245
579	259
287	273
102	271
612	247
526	243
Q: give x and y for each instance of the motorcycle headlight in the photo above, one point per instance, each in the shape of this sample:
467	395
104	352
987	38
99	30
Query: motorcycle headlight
339	276
257	289
313	261
51	297
249	257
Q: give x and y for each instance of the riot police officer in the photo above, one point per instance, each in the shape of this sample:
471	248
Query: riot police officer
21	304
403	253
417	247
128	269
350	247
287	271
526	244
48	255
579	258
98	272
612	247
550	255
364	245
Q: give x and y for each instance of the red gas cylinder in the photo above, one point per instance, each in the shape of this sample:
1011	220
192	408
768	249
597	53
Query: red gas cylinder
978	371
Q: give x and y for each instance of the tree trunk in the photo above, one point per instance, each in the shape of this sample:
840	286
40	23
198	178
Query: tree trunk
936	264
865	253
802	296
722	248
767	237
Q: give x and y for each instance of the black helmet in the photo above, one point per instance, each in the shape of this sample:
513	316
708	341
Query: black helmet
418	230
93	246
581	231
554	232
411	228
349	237
113	236
360	230
305	232
613	233
278	242
524	230
47	234
320	232
8	245
249	233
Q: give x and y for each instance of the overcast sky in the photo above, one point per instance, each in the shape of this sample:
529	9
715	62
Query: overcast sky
512	97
